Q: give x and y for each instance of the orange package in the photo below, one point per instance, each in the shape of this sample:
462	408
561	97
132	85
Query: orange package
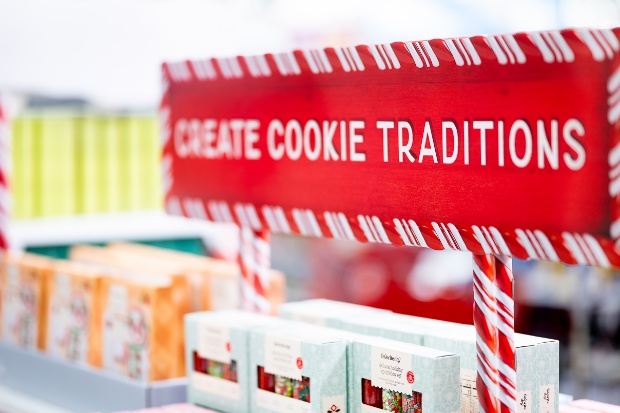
23	285
138	341
75	311
220	288
137	269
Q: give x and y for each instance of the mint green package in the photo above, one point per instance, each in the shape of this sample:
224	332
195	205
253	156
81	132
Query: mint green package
218	360
537	367
395	376
313	358
326	313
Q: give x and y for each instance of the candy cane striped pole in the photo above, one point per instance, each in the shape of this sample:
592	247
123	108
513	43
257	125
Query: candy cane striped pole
505	333
494	321
5	200
485	321
254	262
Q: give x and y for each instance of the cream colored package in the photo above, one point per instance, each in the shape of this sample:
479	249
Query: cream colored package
219	278
139	334
23	282
75	311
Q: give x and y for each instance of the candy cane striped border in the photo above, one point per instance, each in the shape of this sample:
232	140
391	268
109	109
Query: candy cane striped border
522	243
550	47
5	198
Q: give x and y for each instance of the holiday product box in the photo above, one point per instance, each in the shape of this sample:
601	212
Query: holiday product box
537	361
218	357
23	288
215	282
297	369
75	311
403	378
327	313
140	331
138	268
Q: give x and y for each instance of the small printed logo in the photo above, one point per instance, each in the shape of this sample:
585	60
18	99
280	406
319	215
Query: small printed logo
228	347
333	409
524	402
546	396
410	377
300	363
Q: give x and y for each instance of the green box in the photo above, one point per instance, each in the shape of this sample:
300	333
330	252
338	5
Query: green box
311	358
213	340
404	374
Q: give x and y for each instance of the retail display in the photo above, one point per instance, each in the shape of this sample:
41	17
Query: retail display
313	362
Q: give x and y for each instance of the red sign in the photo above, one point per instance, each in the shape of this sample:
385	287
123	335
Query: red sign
506	135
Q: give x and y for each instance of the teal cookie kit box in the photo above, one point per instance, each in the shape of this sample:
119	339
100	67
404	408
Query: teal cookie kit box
297	370
218	358
403	378
326	313
537	367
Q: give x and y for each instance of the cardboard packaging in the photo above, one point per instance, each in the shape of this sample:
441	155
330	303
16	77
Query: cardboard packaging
404	378
218	358
139	332
75	313
215	282
23	286
297	369
537	366
137	268
328	313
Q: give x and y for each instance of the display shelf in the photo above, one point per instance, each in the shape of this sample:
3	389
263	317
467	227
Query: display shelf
143	226
78	388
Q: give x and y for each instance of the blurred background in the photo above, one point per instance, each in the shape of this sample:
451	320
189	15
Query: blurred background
80	82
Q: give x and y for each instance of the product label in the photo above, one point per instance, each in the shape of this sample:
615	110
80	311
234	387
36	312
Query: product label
469	396
547	399
276	403
214	343
19	309
224	293
215	386
334	404
69	317
391	370
524	402
63	286
283	356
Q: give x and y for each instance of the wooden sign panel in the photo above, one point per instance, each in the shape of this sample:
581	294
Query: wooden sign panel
498	144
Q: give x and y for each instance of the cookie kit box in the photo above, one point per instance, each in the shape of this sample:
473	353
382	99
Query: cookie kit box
397	377
140	337
215	282
537	366
218	357
297	369
75	310
328	313
23	288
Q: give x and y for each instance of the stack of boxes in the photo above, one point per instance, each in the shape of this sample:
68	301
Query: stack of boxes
119	307
330	357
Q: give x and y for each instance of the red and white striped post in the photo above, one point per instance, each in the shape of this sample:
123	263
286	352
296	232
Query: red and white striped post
5	198
494	321
254	262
